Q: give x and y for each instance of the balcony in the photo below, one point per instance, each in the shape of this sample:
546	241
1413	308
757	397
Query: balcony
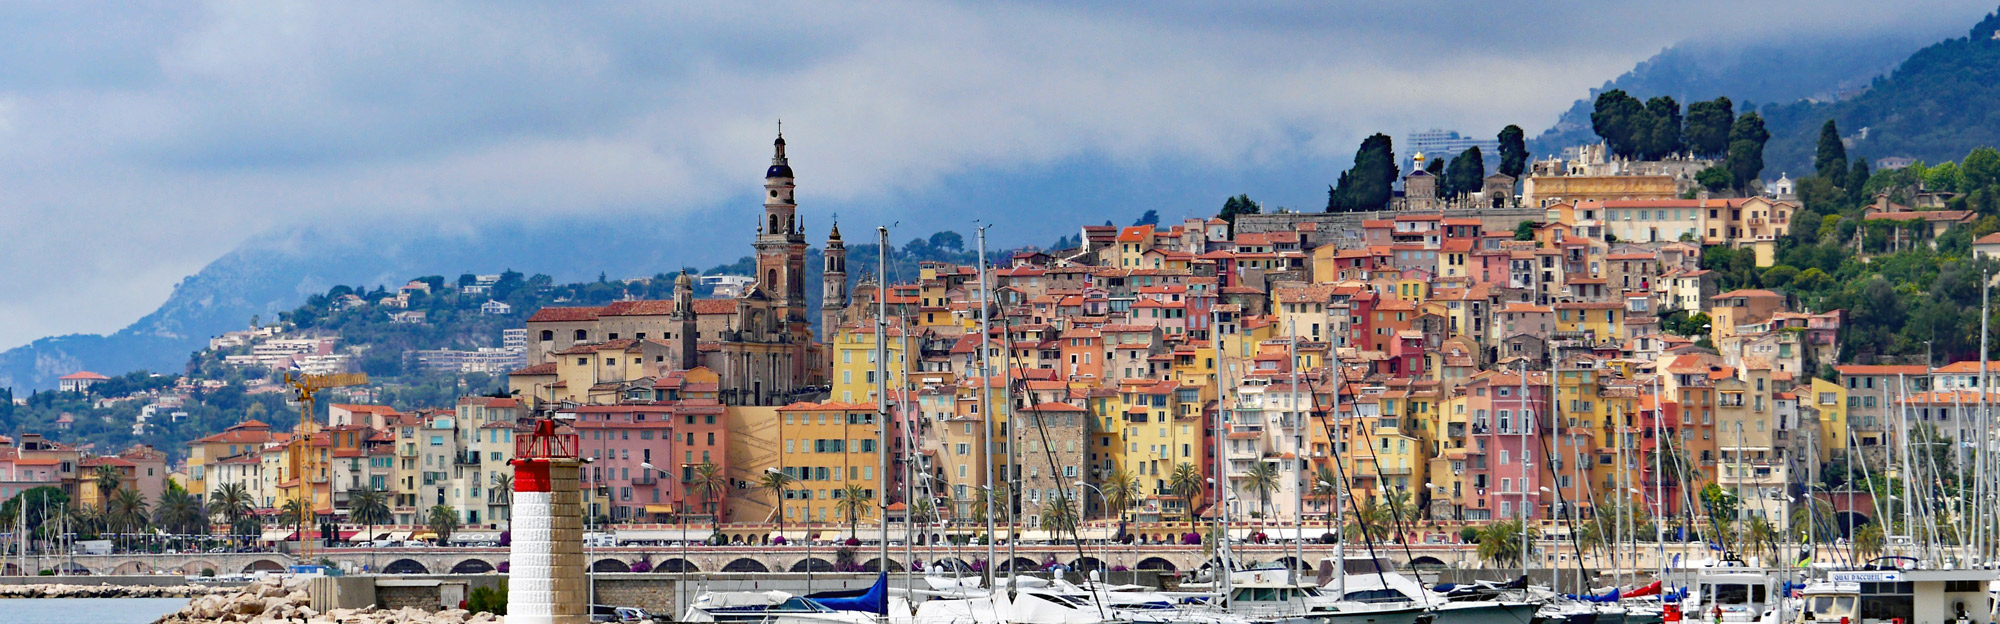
466	458
646	478
1394	470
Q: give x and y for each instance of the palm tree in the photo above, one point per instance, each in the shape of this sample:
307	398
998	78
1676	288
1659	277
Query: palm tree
1760	534
1263	479
369	507
127	513
179	513
776	482
1500	543
1813	521
1186	483
1059	516
295	513
1402	507
232	502
1371	520
1868	540
501	494
108	479
1323	487
1121	492
442	520
852	505
708	482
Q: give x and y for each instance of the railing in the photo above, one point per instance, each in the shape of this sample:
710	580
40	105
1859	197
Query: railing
646	478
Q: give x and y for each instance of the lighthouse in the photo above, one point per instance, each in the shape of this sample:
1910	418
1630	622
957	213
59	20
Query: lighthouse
547	583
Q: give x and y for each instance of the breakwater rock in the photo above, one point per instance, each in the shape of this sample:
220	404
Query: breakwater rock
271	603
67	590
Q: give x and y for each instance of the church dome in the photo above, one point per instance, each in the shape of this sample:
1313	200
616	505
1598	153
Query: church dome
778	171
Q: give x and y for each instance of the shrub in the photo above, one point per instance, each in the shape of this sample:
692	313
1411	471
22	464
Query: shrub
208	572
46	573
853	541
488	600
502	568
1191	539
641	565
775	541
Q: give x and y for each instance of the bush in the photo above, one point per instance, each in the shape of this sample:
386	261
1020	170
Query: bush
209	572
488	600
641	565
46	573
1469	535
775	541
502	568
1191	539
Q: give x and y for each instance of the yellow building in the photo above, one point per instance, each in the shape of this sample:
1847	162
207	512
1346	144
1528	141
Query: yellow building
1160	434
590	373
830	451
854	360
1831	400
1601	320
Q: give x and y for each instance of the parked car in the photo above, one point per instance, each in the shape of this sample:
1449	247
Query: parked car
621	615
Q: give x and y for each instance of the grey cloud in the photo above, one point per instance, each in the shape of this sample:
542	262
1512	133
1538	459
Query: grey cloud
140	143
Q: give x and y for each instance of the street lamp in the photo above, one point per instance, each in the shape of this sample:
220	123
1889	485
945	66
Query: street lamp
680	598
1104	550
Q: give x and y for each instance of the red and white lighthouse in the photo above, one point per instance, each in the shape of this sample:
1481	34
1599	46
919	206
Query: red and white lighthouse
547	583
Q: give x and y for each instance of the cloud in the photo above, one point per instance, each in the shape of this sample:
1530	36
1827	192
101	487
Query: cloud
141	143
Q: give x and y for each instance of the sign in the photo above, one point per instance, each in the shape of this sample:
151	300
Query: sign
1872	576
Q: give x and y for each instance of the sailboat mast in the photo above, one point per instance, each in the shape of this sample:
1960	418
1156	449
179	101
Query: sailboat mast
986	405
1298	460
1659	483
882	393
1222	481
1522	456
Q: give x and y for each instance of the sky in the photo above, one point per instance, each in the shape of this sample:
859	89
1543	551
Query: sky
140	141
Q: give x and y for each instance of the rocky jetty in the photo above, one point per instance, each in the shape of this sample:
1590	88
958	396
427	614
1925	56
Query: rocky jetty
261	603
65	590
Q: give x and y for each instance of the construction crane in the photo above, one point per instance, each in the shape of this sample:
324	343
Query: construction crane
306	387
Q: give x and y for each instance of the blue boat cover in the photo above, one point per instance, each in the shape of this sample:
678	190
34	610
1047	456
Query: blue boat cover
874	600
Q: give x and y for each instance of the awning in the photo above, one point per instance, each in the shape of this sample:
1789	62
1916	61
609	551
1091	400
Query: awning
426	535
275	535
662	535
791	535
396	535
1096	533
1290	533
659	509
1036	535
467	537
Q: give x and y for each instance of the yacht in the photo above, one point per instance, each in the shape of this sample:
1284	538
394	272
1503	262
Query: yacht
1882	596
1388	587
767	607
1268	596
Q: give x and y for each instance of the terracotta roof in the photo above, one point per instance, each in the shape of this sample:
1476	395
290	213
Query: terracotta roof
714	306
83	375
545	368
559	315
1882	369
645	307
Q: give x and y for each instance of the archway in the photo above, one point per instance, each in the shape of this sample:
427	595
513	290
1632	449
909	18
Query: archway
610	565
677	565
133	567
814	564
1427	562
1086	563
952	564
266	565
1849	521
472	566
195	567
1020	563
405	566
72	569
746	564
873	565
1157	563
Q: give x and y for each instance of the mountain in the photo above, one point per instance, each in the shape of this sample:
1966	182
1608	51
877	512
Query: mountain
277	272
1938	104
1788	69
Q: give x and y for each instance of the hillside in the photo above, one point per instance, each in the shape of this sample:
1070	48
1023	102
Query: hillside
1819	68
1937	105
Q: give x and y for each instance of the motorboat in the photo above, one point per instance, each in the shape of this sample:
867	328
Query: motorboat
767	607
1387	587
1273	596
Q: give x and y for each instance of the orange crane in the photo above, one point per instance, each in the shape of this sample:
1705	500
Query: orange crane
306	388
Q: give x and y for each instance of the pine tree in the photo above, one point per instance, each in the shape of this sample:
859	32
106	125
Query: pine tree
1513	151
1831	158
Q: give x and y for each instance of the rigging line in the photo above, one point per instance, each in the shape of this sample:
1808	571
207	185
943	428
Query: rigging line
1395	515
1333	444
1074	518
